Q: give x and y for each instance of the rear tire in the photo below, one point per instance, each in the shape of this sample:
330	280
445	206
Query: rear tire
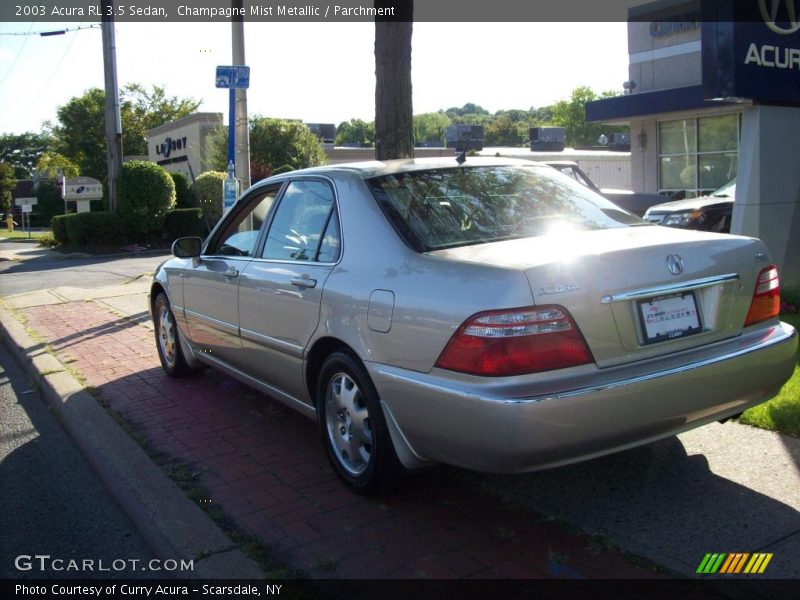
168	339
352	425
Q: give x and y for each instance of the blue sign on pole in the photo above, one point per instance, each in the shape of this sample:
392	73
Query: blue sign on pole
233	77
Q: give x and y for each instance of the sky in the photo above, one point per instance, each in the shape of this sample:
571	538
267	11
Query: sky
317	72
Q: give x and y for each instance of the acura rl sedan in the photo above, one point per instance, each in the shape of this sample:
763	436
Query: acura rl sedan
490	313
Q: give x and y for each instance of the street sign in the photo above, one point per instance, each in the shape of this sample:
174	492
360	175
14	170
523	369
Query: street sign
23	202
233	77
26	208
83	188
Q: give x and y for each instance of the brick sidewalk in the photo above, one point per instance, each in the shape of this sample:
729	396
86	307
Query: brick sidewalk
264	466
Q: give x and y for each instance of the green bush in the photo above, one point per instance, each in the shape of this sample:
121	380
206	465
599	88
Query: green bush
183	222
144	195
183	193
60	229
94	229
208	191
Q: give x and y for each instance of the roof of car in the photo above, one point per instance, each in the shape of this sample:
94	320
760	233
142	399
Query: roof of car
375	168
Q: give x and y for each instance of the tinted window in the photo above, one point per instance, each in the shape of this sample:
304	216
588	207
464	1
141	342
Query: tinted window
331	244
474	205
300	220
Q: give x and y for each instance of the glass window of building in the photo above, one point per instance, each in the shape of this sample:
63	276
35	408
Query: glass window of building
696	156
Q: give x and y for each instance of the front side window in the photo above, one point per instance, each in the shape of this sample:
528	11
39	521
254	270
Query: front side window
453	207
300	229
240	236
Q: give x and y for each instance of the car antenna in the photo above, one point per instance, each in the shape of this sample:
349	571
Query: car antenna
462	157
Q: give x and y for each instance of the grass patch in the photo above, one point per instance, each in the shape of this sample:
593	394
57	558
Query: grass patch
21	236
781	413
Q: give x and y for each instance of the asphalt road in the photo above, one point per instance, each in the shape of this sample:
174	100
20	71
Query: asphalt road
41	269
51	501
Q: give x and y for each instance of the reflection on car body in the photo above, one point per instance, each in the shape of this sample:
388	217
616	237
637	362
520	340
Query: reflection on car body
494	315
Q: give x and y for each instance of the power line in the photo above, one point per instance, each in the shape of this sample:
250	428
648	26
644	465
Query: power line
54	32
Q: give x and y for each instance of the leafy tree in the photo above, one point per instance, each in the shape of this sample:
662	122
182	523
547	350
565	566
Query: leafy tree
468	109
355	131
394	130
273	143
571	114
431	127
22	151
144	109
146	192
80	131
503	130
7	185
50	163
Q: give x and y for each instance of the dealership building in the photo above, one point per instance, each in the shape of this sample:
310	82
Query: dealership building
182	146
713	93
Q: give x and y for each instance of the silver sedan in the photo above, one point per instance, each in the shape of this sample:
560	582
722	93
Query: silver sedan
494	315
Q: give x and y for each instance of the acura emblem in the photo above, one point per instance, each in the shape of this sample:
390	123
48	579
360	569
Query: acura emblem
675	264
771	16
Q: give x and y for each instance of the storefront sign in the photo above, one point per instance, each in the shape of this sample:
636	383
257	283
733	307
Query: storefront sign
169	145
751	50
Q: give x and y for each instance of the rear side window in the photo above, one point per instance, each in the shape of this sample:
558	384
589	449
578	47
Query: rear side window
454	207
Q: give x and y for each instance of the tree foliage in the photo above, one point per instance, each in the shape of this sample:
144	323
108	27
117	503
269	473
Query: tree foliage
80	135
21	151
50	163
571	114
273	143
355	131
7	184
431	127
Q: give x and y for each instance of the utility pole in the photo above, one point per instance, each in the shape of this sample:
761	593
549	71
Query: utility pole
242	147
112	116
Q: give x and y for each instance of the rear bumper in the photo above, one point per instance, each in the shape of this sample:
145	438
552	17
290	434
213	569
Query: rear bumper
464	421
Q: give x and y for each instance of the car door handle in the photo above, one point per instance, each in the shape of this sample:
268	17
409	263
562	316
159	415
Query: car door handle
304	281
231	272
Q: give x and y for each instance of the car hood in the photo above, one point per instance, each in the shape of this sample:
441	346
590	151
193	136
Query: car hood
690	204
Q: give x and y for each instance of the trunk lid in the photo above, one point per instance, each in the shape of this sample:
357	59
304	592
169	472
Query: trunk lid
618	286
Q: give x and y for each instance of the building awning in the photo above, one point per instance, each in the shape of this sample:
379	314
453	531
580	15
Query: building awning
621	108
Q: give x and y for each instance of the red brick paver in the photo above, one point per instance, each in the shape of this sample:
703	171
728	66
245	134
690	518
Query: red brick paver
263	464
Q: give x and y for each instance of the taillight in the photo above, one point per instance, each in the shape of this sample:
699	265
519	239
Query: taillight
512	342
766	302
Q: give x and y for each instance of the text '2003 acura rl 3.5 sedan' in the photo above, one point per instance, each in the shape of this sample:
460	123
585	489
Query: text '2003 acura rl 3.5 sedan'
491	314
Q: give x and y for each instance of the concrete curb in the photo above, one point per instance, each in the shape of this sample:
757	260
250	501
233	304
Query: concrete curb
171	524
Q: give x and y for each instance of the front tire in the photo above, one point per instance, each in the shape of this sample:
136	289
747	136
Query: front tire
168	339
352	425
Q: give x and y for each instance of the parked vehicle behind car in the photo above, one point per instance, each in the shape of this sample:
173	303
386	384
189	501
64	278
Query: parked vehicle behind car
634	202
706	213
495	315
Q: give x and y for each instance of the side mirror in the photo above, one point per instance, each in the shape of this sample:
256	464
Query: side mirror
187	247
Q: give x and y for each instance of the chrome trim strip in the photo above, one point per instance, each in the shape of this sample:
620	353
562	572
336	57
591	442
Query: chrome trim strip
221	325
272	343
785	334
660	290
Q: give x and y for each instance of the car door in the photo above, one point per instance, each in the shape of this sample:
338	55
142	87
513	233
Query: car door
280	291
211	285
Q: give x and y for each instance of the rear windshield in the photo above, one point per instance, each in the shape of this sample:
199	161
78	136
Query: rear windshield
447	208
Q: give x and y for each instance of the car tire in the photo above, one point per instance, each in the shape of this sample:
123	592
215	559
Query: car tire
353	427
168	339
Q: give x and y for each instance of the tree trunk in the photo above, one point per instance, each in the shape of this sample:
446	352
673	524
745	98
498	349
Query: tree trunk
394	131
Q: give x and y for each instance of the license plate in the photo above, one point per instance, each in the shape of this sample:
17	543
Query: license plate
669	317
